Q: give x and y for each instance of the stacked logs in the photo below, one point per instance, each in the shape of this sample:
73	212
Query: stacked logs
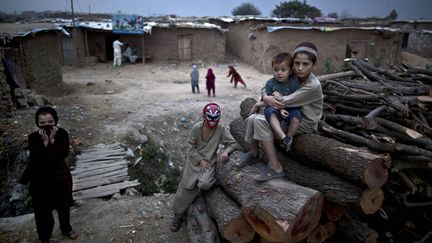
363	178
390	113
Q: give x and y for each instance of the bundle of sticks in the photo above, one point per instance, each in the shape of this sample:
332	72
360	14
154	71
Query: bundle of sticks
355	180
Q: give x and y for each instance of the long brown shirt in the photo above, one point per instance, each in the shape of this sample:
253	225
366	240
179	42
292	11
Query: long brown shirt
204	150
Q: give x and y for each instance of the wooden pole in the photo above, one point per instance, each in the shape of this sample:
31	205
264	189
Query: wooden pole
142	46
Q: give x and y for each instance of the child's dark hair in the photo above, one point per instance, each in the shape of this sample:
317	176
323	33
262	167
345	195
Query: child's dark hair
282	57
311	56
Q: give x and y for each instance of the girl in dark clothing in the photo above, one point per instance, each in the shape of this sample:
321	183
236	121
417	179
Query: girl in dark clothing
235	76
210	82
49	176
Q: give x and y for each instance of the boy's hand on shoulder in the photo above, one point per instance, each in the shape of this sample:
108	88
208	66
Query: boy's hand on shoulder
204	165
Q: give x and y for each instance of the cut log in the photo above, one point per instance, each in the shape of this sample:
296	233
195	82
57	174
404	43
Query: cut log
336	75
232	225
333	211
378	146
351	163
239	126
246	106
355	231
278	210
321	233
335	189
207	230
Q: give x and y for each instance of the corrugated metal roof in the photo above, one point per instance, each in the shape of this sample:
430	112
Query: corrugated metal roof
24	29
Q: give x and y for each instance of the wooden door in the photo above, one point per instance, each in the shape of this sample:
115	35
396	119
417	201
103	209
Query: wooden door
184	48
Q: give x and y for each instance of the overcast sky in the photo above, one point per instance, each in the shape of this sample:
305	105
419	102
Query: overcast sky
406	9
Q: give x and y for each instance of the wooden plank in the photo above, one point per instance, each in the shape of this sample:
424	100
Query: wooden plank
104	190
100	159
98	177
88	164
107	146
106	154
99	171
104	151
96	171
94	183
96	166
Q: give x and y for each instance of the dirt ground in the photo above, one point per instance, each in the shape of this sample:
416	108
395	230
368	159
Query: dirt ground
100	104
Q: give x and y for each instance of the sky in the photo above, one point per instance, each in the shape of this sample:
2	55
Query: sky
406	9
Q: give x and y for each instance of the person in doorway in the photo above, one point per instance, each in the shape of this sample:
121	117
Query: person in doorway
117	53
210	82
308	97
49	176
131	53
235	76
194	75
199	170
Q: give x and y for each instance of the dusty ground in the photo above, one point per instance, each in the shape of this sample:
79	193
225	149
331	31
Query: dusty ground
100	104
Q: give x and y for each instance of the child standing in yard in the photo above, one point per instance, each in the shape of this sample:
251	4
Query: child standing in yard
235	76
194	78
199	170
49	176
210	82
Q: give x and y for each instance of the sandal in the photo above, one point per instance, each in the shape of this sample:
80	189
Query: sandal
175	224
246	159
266	173
73	235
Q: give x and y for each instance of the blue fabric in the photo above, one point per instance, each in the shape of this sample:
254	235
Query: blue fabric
293	112
285	88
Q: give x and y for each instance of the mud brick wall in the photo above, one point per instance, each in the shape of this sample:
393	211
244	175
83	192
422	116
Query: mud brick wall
206	44
42	65
6	105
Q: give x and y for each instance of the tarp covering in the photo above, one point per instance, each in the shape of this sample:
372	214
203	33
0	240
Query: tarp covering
328	29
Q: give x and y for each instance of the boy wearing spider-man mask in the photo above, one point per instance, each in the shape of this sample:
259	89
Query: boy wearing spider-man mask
198	173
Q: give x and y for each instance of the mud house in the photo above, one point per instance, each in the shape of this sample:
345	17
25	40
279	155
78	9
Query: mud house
33	52
168	42
417	36
257	41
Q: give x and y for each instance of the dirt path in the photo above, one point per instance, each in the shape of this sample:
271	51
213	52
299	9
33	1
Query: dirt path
100	104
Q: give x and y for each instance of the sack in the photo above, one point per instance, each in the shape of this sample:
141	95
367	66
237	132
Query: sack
207	179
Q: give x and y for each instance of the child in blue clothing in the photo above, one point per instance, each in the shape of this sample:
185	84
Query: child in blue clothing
282	84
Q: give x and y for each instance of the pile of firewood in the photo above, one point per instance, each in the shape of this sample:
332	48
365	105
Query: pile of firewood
364	178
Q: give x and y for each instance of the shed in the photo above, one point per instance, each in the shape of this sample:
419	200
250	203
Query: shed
33	51
190	42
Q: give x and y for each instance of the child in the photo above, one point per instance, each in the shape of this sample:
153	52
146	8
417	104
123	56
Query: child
210	82
235	76
194	78
199	172
282	84
49	176
309	97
